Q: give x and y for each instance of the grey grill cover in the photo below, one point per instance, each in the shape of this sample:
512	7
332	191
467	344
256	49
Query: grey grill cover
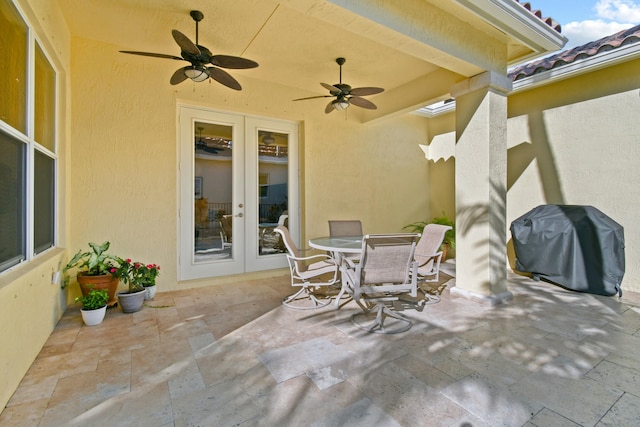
577	247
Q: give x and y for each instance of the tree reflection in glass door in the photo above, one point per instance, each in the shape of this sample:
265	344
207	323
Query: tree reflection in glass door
273	188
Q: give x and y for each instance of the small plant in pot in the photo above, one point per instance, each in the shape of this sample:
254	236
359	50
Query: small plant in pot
94	306
148	274
95	270
138	276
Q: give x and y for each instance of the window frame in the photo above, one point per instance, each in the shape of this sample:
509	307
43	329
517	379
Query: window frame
33	147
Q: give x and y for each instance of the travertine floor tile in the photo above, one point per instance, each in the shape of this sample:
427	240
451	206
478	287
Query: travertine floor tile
233	355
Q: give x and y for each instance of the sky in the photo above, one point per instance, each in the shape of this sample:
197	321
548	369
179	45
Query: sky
584	21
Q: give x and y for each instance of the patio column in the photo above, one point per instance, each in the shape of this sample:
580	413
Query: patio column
481	183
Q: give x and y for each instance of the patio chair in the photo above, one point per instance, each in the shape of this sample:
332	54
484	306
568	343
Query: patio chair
270	242
345	228
309	273
385	271
428	255
226	235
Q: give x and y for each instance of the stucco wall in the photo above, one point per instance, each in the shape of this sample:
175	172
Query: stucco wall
124	157
576	142
441	185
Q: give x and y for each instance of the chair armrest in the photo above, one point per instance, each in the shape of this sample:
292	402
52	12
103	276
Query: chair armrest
324	257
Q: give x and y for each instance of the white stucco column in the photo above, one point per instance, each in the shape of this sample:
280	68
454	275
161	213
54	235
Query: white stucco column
481	187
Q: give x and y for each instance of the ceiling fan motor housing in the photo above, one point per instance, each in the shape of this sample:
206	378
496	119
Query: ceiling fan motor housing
344	89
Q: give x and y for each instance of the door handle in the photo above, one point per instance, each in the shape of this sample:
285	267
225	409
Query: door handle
240	215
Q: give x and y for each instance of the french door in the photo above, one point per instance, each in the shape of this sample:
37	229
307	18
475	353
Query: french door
238	181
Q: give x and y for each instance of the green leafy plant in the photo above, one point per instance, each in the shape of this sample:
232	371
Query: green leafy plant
449	236
94	300
137	274
148	274
94	262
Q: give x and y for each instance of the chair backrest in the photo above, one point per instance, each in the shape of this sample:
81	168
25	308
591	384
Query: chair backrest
226	222
387	258
291	247
345	228
430	242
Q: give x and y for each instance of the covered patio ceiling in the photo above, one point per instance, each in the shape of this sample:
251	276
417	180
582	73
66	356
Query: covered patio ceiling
415	49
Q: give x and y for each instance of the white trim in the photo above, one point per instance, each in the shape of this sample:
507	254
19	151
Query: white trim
514	19
581	66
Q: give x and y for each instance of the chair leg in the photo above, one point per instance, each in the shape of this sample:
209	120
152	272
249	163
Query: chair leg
428	298
343	291
378	326
304	294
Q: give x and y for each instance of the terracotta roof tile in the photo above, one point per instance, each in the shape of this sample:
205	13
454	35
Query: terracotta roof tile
538	13
622	38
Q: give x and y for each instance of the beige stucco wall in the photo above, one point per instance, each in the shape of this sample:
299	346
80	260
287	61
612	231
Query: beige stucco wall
124	159
441	185
576	142
30	303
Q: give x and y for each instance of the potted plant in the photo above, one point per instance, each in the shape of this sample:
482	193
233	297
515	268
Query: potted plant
149	274
449	241
94	306
138	276
96	270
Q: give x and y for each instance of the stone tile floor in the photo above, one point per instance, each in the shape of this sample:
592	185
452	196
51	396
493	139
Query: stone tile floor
233	356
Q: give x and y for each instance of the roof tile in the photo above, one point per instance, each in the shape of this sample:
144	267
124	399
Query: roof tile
538	13
619	39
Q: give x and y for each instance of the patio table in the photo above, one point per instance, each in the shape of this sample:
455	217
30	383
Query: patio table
338	246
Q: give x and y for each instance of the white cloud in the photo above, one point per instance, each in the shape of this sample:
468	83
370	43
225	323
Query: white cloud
613	16
619	10
583	32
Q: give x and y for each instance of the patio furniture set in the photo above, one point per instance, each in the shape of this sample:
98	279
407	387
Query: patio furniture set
377	271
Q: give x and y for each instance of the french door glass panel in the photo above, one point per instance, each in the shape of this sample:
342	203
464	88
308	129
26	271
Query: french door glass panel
234	188
272	190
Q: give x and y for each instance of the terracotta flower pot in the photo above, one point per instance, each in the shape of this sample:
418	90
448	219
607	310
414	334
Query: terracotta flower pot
105	281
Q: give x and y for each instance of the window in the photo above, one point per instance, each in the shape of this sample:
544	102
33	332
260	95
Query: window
27	142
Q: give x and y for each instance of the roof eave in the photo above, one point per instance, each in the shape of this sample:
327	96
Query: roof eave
576	68
515	20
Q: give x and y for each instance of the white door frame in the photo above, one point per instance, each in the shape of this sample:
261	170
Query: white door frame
254	261
245	193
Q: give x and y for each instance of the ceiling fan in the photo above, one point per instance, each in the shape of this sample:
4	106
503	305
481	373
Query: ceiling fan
199	56
346	95
211	145
203	145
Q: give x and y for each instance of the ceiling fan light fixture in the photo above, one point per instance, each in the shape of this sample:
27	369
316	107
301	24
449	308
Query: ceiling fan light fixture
197	74
340	104
268	139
